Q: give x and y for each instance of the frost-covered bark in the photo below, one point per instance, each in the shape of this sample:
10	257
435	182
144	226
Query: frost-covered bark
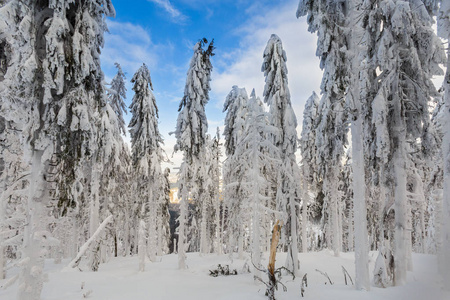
142	246
282	116
359	93
191	139
444	263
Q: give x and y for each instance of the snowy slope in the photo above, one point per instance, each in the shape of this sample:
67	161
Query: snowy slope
119	279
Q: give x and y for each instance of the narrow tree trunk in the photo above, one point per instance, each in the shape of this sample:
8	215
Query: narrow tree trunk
182	229
94	215
444	252
218	230
31	278
2	228
305	217
115	244
292	260
400	248
351	235
142	248
151	224
359	206
334	216
241	243
272	284
204	247
256	235
159	225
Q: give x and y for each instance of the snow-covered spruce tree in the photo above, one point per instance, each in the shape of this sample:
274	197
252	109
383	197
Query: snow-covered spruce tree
146	152
48	77
282	116
408	54
191	138
117	95
259	159
444	32
236	106
329	19
113	161
308	167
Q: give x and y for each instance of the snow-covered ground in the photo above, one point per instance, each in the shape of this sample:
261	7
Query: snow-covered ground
119	279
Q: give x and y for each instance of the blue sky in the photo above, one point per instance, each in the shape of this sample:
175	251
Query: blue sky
162	33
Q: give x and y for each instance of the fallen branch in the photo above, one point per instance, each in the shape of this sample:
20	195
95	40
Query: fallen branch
76	261
345	275
304	284
326	275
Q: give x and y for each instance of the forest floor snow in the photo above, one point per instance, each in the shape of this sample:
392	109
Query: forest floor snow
119	279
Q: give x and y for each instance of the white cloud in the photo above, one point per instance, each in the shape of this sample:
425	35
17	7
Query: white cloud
243	67
130	45
175	14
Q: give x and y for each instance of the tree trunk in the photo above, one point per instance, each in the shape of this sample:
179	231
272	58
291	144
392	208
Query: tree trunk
272	284
241	243
94	215
204	247
142	248
334	214
256	235
2	228
305	217
31	278
400	248
356	39
182	229
218	231
359	206
292	257
160	229
444	252
151	224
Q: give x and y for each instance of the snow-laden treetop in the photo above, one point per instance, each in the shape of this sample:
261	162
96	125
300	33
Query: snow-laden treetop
192	124
277	96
